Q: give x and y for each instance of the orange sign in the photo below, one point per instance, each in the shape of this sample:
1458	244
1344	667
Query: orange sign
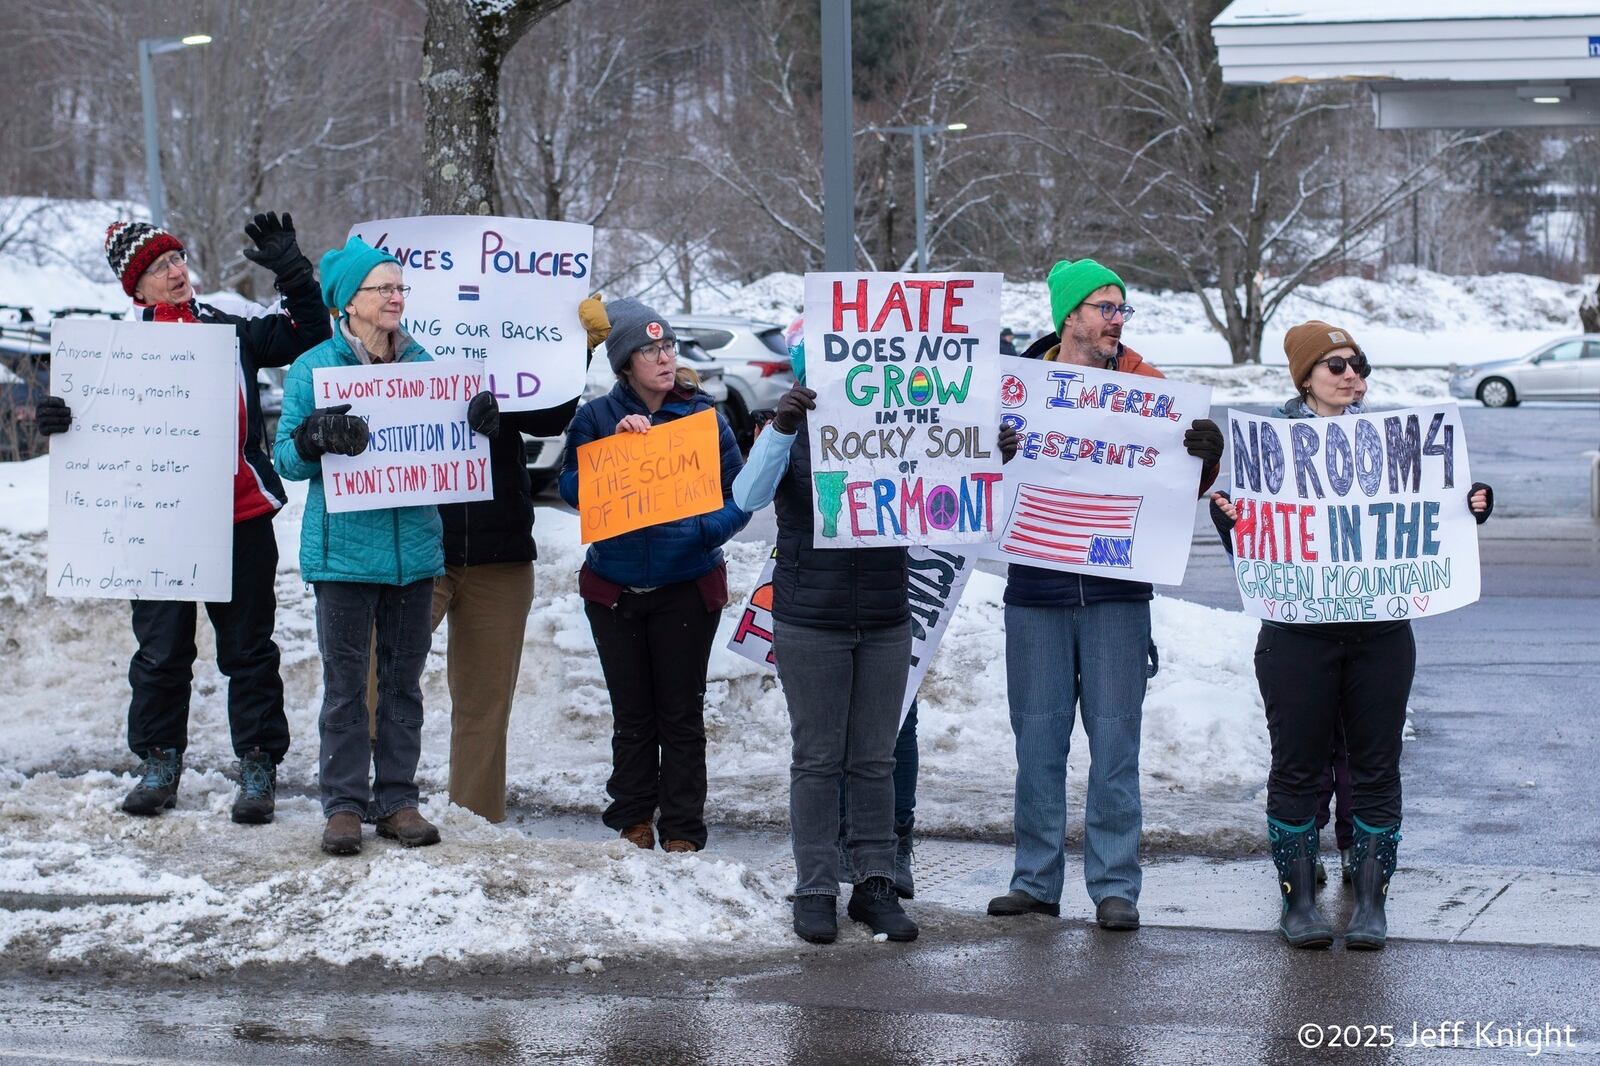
631	480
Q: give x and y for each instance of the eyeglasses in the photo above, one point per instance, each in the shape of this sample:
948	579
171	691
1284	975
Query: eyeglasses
1108	311
165	264
658	351
1338	364
387	291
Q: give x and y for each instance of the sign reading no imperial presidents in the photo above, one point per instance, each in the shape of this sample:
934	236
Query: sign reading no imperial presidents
903	440
1360	518
504	291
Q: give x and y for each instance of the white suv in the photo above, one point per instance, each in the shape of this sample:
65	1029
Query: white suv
754	360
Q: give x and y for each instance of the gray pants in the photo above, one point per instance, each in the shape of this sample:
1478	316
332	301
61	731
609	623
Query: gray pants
346	614
844	688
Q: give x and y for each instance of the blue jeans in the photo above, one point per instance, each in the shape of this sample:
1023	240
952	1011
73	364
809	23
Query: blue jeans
905	785
1055	658
844	688
346	614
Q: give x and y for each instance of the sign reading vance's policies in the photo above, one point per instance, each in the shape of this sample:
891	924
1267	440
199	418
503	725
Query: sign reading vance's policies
1355	518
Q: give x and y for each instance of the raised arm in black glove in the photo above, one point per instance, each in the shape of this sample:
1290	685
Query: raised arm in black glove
1203	440
330	430
276	247
1008	442
483	414
790	413
52	415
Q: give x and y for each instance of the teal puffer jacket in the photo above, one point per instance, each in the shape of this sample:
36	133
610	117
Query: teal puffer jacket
392	546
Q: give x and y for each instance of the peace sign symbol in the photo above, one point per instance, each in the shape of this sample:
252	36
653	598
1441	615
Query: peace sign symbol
941	507
1289	612
1397	607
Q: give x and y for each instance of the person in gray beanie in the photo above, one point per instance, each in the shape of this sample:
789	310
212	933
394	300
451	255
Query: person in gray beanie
633	325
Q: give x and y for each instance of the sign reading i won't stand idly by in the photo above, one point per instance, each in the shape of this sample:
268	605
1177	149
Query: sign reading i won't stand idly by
1359	518
903	440
501	290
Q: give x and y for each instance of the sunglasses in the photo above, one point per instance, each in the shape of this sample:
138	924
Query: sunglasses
1338	364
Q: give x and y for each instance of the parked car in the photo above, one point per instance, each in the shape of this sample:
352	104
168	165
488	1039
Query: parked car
754	359
543	454
1566	369
24	381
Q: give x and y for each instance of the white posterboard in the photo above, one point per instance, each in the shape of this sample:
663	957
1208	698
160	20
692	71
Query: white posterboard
501	290
1359	518
903	440
421	450
935	579
141	486
1101	483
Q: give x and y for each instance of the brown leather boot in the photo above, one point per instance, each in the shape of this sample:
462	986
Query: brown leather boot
408	827
642	835
679	846
343	834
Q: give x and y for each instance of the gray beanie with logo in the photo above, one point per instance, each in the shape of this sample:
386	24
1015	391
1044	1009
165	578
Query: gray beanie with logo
633	325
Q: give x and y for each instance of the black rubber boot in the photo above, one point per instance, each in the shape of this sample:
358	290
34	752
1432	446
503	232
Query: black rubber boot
875	904
258	786
1294	851
816	918
1373	853
157	789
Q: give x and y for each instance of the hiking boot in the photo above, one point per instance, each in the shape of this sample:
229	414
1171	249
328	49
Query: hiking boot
1294	852
258	784
875	904
409	827
1018	902
1117	913
680	846
157	789
343	834
816	918
904	886
640	835
1373	867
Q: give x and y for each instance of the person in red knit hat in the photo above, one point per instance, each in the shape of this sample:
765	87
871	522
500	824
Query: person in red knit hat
152	266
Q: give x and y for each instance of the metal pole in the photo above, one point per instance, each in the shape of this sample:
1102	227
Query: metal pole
838	176
152	152
922	201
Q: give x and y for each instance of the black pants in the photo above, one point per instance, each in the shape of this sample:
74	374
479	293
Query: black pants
1312	685
654	647
163	667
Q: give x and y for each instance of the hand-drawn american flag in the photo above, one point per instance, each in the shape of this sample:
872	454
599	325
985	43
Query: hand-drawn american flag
1077	528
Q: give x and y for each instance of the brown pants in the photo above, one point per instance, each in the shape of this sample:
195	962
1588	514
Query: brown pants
488	610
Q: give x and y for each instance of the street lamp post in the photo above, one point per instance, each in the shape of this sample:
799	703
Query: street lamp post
154	46
916	133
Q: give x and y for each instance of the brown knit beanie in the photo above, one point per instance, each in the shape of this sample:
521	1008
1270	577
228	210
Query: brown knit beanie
1308	342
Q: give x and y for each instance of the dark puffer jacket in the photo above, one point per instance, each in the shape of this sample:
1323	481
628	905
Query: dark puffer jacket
673	551
829	588
500	530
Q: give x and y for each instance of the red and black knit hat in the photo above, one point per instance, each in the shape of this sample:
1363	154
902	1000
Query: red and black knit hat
132	246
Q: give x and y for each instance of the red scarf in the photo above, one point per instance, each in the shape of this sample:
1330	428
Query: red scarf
174	313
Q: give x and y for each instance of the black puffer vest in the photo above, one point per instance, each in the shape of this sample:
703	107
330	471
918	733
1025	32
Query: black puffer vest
830	588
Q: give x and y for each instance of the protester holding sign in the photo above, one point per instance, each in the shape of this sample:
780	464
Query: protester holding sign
653	595
373	566
1319	679
1074	637
842	642
151	264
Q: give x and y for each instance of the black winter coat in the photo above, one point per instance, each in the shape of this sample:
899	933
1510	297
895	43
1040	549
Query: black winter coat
500	529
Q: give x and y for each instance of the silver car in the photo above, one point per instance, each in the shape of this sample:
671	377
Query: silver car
1566	369
753	357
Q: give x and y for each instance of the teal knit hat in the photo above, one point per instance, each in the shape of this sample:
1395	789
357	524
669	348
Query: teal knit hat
1071	283
344	269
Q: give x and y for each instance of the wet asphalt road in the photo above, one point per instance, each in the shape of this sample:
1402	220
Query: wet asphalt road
1500	774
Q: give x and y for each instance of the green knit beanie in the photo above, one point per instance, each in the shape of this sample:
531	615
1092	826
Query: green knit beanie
1071	283
344	269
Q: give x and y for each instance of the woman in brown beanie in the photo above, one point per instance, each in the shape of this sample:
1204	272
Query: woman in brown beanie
1318	679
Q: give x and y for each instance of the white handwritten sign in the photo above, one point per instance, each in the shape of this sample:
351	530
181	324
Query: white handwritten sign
903	438
501	290
1101	483
141	487
935	579
421	451
1360	518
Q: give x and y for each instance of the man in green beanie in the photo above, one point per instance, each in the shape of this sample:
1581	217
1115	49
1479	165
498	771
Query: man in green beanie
1082	638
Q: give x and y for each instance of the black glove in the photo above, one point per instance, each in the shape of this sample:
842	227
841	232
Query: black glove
1008	442
276	247
1203	440
1481	516
790	414
483	414
330	430
52	415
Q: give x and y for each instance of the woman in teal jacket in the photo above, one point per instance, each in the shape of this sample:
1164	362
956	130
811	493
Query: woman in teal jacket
368	567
